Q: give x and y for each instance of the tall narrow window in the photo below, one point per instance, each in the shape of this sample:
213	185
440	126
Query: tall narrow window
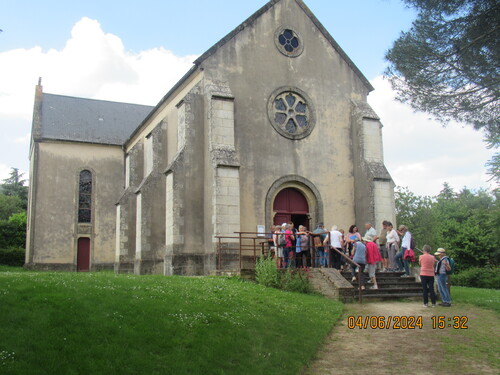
85	197
127	171
148	155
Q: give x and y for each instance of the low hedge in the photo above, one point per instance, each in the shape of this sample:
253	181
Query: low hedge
478	277
12	256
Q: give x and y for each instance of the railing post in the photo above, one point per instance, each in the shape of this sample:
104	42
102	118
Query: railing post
254	251
241	244
219	250
360	285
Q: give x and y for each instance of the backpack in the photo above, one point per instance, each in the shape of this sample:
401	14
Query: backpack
413	244
452	266
281	240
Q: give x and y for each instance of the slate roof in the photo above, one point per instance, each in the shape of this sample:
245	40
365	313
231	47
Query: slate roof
88	120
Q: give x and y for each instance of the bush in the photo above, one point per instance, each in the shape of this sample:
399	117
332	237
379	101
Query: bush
266	272
12	256
294	280
13	231
478	277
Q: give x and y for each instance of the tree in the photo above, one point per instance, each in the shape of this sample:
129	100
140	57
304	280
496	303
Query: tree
10	206
466	224
416	213
467	227
448	65
13	186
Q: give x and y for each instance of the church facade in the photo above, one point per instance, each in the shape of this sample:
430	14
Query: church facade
270	124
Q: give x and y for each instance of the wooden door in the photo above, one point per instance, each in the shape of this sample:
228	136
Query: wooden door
290	203
83	255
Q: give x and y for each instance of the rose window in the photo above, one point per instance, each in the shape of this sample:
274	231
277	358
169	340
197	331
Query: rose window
288	42
290	113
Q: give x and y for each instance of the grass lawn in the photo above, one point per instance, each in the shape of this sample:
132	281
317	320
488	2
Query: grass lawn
486	298
480	342
102	323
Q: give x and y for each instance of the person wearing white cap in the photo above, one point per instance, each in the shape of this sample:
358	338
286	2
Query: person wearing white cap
442	266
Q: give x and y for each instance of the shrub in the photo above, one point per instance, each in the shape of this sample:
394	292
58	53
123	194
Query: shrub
13	231
478	277
294	280
12	256
266	272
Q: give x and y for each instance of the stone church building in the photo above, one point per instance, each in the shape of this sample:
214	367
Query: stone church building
270	124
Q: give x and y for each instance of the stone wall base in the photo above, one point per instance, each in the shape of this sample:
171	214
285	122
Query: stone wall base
190	264
124	267
66	267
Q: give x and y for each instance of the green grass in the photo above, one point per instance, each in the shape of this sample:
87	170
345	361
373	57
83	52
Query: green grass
4	268
479	343
101	323
486	298
473	350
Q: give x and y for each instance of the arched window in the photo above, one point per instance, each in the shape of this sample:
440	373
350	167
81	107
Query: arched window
85	197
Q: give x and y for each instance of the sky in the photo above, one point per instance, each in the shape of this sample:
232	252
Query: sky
134	51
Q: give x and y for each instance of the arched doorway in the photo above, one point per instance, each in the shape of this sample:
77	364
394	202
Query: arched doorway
291	205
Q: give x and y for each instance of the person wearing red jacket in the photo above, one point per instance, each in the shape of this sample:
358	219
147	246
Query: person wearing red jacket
372	258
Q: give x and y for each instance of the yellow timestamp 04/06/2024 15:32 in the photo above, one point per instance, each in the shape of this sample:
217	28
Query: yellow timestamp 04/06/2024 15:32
406	322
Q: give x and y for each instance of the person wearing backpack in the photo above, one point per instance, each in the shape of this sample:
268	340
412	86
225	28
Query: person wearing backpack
406	243
278	246
442	268
319	236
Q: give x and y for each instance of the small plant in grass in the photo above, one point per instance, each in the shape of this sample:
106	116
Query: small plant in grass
266	272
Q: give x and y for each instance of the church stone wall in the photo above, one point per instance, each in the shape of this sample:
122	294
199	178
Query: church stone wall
55	229
254	69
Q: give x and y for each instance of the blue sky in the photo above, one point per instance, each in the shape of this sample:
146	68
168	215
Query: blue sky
363	28
134	51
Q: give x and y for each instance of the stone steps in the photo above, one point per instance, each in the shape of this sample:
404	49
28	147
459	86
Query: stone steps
390	286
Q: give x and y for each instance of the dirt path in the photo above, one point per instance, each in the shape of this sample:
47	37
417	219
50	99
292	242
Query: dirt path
399	351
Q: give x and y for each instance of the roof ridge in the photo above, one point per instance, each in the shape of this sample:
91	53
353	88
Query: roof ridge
97	100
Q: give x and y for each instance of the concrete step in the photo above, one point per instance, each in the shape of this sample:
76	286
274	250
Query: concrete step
391	290
391	296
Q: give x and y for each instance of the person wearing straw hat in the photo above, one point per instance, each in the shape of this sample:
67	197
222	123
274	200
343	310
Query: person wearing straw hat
442	266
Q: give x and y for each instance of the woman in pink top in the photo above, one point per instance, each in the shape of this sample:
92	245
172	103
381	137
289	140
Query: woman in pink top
372	258
427	262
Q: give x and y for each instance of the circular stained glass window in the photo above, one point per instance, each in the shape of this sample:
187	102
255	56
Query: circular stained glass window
288	42
291	113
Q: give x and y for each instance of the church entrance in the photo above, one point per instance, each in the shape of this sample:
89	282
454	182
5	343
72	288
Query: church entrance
291	205
83	255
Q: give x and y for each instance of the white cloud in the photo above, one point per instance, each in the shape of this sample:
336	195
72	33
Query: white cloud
421	154
92	64
4	172
23	140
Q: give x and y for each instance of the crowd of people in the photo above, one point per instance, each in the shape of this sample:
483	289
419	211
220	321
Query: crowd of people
390	250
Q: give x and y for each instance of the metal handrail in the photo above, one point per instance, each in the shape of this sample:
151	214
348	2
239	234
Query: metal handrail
359	271
265	236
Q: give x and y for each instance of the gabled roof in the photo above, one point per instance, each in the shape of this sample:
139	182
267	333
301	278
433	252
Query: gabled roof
86	120
250	20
